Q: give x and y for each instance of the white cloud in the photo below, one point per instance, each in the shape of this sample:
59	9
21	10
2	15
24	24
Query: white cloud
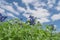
27	1
38	4
2	10
3	2
15	3
42	20
10	8
35	3
51	3
9	14
58	6
39	13
19	9
55	17
7	6
26	15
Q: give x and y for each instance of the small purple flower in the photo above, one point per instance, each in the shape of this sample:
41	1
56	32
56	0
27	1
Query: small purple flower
32	20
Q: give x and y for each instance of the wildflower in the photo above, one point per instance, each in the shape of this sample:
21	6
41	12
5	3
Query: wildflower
32	20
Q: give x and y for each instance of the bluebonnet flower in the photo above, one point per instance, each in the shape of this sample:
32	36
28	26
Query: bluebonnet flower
2	18
32	20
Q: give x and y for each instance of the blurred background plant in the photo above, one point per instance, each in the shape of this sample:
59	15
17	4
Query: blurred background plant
17	30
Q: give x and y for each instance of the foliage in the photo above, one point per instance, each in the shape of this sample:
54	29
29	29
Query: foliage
18	30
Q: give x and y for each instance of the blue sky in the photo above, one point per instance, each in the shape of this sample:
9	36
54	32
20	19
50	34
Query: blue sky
46	11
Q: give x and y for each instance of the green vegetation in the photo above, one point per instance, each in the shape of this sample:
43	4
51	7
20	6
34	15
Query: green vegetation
17	30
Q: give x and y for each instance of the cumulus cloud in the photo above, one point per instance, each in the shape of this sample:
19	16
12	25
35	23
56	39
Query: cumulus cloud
18	7
1	10
28	1
9	14
55	17
51	3
26	15
41	13
9	8
58	6
38	4
43	20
